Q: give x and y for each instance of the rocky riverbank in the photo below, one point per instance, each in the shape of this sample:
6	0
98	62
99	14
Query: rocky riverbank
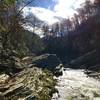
29	78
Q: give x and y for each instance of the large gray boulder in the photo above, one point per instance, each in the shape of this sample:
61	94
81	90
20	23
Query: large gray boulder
48	61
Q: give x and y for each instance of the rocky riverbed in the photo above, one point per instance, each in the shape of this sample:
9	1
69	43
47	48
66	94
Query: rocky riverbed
76	85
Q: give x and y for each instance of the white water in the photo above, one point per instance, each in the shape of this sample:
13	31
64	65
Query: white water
75	85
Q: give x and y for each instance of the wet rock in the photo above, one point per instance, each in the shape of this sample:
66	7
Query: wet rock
1	96
3	78
58	70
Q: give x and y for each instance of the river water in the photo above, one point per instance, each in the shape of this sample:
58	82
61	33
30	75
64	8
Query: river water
75	85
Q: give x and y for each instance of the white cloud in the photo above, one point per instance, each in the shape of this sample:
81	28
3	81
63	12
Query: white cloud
66	8
42	13
62	8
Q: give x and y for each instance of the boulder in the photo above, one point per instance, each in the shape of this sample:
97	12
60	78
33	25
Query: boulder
11	65
58	70
48	61
3	78
27	60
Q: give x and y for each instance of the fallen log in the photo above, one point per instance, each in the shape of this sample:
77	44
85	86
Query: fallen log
94	74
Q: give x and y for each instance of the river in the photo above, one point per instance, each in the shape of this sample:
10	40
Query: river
76	85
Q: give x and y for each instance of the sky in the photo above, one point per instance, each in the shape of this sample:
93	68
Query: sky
51	11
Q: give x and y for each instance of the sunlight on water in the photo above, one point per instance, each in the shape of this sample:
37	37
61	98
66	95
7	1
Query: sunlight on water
75	85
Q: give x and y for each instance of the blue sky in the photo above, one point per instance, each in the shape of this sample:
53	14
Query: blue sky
48	4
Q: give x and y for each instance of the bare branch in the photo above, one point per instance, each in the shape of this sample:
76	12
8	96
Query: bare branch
24	7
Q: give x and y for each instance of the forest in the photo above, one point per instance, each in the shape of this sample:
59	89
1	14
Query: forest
29	62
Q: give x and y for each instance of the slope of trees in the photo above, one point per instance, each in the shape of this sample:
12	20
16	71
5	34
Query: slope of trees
81	33
12	34
15	41
10	25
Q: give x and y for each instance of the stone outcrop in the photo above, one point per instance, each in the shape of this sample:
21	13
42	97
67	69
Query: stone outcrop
29	84
30	78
